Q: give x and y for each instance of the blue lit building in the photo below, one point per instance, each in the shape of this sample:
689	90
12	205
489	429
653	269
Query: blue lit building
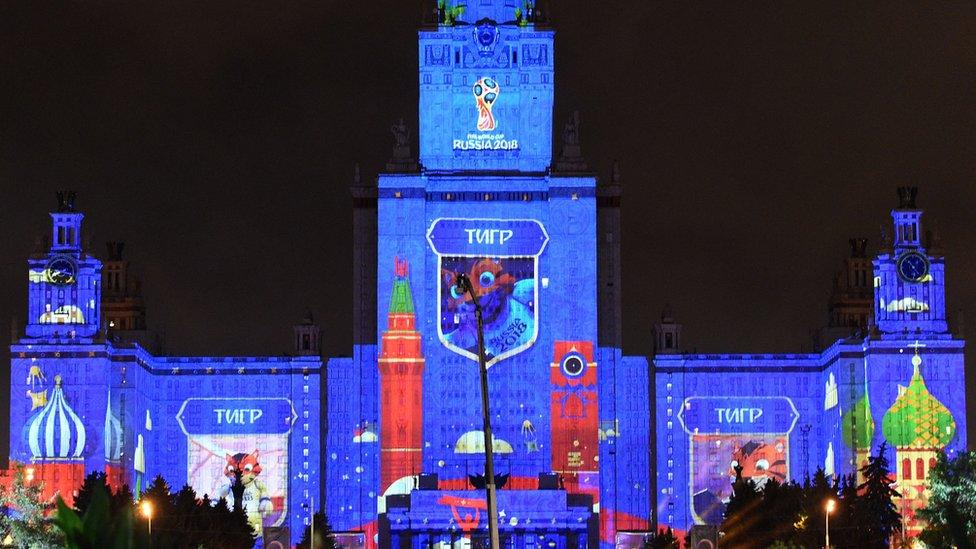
85	398
633	441
595	448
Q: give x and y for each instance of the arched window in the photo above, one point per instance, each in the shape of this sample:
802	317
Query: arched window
920	469
931	465
906	469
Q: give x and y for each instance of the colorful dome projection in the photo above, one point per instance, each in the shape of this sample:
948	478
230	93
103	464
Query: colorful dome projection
473	442
917	419
56	432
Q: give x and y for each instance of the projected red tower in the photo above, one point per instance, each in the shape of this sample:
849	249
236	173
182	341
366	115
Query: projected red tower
401	365
575	423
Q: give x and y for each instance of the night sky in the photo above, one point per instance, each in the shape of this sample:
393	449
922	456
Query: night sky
218	141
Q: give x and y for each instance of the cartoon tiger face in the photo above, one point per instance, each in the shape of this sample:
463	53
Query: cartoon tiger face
247	464
760	461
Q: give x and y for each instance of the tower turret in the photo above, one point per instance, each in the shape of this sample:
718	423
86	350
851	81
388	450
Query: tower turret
64	295
486	88
667	334
308	337
909	282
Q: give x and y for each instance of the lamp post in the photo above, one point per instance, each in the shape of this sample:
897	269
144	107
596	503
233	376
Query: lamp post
464	285
828	508
146	509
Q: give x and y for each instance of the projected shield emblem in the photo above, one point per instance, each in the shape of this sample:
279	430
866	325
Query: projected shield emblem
501	257
728	432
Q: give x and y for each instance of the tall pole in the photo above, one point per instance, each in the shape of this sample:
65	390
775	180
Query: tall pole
828	509
827	530
464	284
311	533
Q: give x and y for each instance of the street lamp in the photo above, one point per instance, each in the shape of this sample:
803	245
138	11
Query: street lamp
464	286
146	509
829	508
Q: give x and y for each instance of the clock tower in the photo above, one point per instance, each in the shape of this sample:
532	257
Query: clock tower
65	283
909	282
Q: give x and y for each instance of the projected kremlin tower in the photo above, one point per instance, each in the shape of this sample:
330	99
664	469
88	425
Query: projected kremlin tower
401	365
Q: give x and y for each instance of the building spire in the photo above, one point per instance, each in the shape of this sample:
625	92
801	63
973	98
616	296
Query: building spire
401	302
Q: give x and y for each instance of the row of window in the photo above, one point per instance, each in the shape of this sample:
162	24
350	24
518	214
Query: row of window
906	468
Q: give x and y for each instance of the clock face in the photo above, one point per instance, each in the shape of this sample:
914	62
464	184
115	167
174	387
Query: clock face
61	271
913	266
573	365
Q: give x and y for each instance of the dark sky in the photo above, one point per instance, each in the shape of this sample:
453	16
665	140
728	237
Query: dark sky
218	140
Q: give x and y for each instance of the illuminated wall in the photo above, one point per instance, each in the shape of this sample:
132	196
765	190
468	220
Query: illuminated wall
540	241
80	403
784	416
563	401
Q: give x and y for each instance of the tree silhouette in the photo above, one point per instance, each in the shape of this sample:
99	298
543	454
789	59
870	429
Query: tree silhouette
663	539
951	510
322	531
180	520
876	514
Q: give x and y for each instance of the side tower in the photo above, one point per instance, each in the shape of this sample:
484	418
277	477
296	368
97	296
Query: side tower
909	282
64	296
851	299
914	366
59	370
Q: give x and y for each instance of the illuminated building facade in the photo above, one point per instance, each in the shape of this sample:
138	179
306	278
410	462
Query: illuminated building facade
593	447
87	398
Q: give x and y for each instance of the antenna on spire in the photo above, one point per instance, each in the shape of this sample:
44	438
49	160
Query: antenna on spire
400	267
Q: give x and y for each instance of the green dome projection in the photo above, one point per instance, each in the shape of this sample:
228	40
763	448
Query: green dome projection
857	425
917	419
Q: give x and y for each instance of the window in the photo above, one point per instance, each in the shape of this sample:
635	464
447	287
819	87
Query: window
920	469
906	469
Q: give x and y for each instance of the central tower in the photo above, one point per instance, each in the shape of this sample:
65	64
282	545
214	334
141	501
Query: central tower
484	198
486	88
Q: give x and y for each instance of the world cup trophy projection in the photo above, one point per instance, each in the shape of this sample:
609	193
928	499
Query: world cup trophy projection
486	92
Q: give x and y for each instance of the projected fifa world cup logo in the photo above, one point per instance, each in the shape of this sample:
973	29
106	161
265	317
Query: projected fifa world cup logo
485	94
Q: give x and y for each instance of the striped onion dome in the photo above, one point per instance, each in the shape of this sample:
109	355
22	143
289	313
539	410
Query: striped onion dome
56	431
113	432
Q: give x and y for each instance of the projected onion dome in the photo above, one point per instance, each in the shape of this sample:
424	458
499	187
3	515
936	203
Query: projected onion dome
113	433
917	419
858	425
56	431
473	442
